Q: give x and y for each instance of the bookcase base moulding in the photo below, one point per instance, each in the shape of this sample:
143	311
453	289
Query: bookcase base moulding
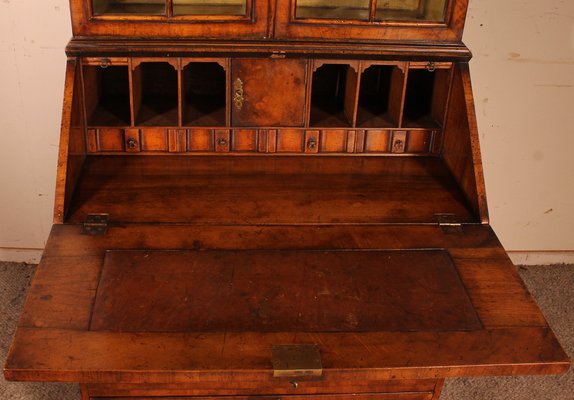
272	200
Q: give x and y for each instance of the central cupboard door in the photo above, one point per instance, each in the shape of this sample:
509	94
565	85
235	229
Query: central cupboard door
267	92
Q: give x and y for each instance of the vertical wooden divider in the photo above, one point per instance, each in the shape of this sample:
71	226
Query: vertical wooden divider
80	70
399	81
180	92
131	89
135	90
372	10
437	140
271	14
169	8
309	86
441	87
228	104
352	84
421	7
91	84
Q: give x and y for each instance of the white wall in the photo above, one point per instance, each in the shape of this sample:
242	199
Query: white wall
523	75
523	79
33	35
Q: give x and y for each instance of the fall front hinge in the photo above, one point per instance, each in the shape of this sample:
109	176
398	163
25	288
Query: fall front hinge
96	224
449	224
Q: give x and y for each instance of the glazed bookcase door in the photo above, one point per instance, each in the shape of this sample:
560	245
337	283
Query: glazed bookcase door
439	20
171	18
361	10
173	8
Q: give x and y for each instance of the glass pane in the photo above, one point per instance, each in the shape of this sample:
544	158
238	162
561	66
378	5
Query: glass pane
210	7
333	9
135	7
409	10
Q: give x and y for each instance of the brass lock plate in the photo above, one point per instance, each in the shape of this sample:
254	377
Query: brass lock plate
238	94
296	360
96	224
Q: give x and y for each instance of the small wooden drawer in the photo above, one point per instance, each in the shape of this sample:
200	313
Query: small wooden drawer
105	61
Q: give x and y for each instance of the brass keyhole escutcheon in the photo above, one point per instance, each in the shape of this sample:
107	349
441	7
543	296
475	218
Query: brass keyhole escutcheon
222	142
312	144
132	144
238	95
398	146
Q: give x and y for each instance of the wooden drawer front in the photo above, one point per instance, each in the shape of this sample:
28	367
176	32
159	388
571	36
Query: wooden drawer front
374	396
105	140
290	140
329	387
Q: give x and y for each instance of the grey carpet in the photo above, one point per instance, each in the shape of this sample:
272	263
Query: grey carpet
552	286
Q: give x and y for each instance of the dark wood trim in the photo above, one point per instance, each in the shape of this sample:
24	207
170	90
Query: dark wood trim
461	148
72	149
98	47
475	144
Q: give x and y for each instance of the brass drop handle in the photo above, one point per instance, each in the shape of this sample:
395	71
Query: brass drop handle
398	145
105	63
238	95
132	143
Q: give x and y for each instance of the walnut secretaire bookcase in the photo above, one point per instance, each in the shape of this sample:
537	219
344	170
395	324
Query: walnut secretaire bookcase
274	199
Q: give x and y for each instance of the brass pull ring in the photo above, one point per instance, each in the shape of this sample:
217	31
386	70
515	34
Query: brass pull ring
105	63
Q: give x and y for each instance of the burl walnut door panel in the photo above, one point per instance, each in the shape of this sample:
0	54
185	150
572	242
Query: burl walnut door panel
267	92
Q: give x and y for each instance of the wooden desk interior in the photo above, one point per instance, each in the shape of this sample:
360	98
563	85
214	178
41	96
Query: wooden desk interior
252	190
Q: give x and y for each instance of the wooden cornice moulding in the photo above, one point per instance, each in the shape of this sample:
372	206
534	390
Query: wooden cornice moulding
86	47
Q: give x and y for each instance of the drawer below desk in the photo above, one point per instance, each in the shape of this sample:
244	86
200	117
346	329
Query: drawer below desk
373	396
293	389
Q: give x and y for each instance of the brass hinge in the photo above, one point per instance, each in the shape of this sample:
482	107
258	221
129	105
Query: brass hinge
96	224
296	360
449	224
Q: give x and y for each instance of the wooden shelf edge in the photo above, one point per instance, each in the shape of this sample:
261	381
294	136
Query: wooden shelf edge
76	356
100	46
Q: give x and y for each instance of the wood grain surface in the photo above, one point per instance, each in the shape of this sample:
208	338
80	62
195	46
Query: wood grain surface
280	291
268	190
54	341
